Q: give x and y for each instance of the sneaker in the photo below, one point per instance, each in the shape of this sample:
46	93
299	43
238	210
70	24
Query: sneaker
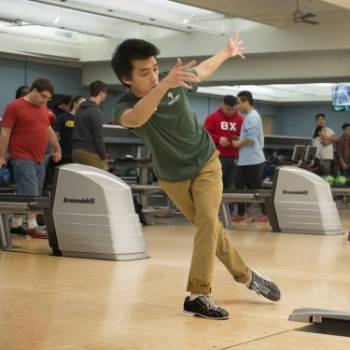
204	306
20	230
36	233
238	217
263	287
262	218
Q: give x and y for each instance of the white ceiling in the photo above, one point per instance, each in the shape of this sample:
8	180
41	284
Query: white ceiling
271	12
112	19
88	30
118	19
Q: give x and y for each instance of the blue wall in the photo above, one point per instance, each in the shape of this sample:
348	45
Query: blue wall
299	120
13	73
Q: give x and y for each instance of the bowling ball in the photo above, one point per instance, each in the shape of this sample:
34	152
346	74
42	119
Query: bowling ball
131	172
4	176
340	180
330	179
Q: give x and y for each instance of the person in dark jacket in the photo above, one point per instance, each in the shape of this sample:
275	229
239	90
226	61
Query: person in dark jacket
343	151
88	145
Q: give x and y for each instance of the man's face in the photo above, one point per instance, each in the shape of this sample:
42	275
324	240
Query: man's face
242	105
229	110
103	95
144	76
40	98
321	121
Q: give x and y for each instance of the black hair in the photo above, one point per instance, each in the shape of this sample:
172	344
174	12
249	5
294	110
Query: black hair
56	101
96	87
22	91
317	131
320	115
246	96
230	100
41	85
346	125
75	99
65	99
130	50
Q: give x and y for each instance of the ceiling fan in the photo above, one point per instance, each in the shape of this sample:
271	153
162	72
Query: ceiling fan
303	17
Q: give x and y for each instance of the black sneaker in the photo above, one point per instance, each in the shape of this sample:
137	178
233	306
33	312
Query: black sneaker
20	230
204	306
263	287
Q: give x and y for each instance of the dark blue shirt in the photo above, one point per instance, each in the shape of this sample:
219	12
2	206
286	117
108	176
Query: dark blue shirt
65	126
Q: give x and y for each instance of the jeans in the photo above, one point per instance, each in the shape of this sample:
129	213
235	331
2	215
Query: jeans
29	176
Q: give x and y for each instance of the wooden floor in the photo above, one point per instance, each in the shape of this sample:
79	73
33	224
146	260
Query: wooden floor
60	303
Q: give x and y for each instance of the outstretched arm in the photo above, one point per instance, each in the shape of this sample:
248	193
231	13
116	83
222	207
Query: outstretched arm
143	109
208	67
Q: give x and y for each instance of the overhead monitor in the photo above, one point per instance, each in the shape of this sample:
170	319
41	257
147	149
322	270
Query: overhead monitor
341	97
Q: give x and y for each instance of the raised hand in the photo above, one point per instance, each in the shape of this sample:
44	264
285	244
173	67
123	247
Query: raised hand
179	76
234	46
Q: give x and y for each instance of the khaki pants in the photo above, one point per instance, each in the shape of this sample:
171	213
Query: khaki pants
199	200
84	157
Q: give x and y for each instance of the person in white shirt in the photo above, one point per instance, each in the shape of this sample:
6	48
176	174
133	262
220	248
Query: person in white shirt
324	154
329	137
251	153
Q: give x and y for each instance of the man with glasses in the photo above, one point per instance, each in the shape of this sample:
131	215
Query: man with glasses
25	134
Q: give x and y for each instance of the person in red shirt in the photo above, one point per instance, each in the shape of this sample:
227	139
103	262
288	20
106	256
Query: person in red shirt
224	126
25	133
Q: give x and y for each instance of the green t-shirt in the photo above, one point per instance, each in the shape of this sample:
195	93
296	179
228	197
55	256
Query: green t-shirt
179	144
